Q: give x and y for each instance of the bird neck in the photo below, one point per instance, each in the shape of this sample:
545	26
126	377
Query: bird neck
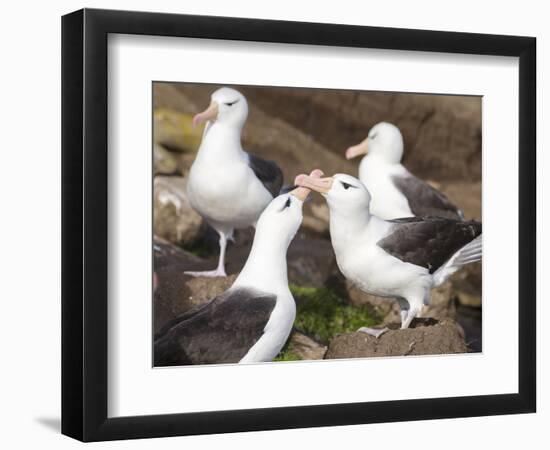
266	267
346	226
220	142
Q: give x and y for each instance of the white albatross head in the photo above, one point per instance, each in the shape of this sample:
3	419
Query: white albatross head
345	195
281	219
384	140
228	106
266	267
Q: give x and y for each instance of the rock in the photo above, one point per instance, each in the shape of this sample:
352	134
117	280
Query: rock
264	134
174	218
175	131
166	254
386	308
470	320
167	95
166	162
442	133
425	337
467	195
316	218
305	347
442	303
176	292
321	211
311	261
467	285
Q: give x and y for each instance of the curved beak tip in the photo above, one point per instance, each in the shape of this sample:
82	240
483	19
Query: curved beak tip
210	113
302	191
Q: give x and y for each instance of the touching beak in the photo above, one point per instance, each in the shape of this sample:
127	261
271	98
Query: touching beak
301	192
209	113
356	150
317	184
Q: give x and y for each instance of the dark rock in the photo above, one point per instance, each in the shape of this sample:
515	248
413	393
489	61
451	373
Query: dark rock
166	254
425	337
470	320
311	261
176	292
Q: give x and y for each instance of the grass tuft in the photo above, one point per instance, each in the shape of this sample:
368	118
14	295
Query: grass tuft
322	314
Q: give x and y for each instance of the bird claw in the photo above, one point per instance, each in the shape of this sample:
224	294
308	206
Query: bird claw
376	332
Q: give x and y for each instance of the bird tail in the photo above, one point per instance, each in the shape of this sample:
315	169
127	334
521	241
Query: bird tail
470	253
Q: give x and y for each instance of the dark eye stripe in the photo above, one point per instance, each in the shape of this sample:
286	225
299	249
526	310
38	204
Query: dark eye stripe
347	185
232	103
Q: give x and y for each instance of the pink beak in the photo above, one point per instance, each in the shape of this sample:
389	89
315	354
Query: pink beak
209	114
356	150
318	184
301	192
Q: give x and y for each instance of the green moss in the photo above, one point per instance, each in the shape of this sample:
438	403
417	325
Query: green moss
322	314
286	354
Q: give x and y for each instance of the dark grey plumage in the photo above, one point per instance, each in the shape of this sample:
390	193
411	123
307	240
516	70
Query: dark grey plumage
428	241
424	200
267	172
222	331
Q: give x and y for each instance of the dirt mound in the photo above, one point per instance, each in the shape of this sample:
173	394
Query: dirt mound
425	337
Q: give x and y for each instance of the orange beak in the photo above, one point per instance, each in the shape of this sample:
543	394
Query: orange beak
356	150
301	192
210	113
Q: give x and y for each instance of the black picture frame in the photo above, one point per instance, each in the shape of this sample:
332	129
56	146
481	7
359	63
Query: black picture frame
84	224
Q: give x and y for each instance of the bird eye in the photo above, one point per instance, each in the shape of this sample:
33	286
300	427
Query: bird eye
347	185
287	204
231	103
372	136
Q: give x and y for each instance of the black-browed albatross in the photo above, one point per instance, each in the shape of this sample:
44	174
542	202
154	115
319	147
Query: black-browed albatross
400	258
227	186
252	320
395	192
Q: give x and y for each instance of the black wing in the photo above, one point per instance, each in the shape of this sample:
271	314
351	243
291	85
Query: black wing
424	200
222	331
428	241
268	173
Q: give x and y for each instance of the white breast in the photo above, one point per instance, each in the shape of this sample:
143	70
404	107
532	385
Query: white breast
227	193
387	202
